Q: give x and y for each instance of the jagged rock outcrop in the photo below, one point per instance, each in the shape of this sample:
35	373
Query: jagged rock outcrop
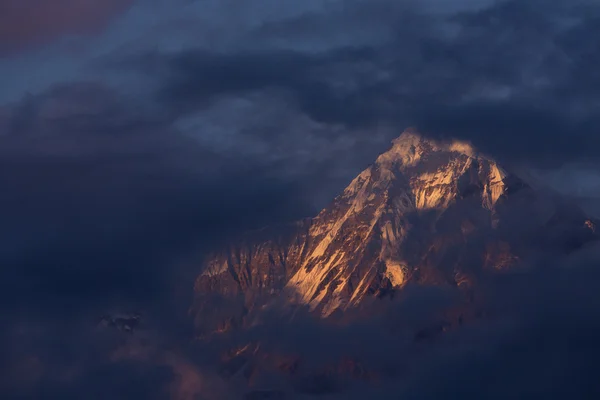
424	212
123	322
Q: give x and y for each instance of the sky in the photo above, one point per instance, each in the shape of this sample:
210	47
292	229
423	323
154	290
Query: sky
138	134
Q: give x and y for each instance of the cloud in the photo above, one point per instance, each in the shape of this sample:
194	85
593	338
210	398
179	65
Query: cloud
97	363
192	80
110	207
100	199
482	71
25	23
537	337
532	98
541	343
492	74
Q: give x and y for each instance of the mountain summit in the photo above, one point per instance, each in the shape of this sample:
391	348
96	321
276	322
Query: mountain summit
427	212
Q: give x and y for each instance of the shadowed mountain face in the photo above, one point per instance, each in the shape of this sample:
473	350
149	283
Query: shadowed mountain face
425	212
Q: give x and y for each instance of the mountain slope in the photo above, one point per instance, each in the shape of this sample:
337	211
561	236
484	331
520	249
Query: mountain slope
424	212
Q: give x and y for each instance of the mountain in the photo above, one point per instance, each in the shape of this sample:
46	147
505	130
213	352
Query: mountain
426	212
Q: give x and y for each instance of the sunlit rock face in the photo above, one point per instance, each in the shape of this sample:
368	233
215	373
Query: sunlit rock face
426	212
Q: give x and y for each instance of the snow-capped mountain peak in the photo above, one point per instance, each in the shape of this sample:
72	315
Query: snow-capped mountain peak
426	212
409	148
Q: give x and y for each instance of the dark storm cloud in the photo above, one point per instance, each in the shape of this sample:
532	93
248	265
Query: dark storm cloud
24	23
545	60
98	202
539	337
192	79
518	70
108	208
513	86
540	340
214	73
516	131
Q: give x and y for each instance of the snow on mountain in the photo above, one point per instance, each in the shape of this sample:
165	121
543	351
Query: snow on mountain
425	212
